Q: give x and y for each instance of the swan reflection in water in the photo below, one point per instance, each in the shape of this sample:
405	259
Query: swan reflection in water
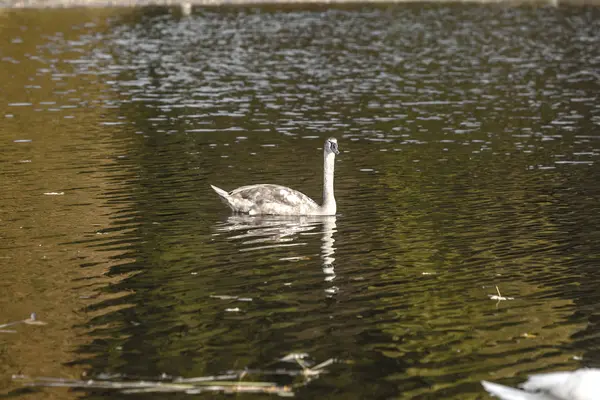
272	231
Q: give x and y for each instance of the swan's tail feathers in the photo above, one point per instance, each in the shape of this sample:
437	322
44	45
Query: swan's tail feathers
225	197
508	393
220	192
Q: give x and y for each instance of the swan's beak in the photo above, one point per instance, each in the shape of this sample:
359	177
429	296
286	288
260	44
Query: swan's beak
334	148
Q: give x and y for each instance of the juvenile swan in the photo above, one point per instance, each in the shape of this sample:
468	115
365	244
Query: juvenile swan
281	200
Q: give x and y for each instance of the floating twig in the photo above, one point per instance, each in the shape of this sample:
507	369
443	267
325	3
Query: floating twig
230	382
499	297
32	320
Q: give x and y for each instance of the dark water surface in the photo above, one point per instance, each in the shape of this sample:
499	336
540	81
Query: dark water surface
470	139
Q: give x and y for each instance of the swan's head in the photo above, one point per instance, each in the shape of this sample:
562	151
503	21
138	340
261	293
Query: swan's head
331	146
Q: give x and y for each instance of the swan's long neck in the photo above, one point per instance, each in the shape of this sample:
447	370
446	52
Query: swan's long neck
329	206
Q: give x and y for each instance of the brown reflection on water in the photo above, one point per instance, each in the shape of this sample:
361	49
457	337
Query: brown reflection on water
51	169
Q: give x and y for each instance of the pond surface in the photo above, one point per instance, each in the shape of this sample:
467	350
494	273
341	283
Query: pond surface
469	164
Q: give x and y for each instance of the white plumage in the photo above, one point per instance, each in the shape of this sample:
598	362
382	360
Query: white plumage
582	384
281	200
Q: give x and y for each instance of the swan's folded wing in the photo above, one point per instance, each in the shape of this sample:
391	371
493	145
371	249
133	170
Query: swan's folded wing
583	384
508	393
546	382
274	194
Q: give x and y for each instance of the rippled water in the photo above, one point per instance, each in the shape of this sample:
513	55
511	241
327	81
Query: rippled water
470	145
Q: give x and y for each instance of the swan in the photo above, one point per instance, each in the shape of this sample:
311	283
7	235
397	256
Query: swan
281	200
582	384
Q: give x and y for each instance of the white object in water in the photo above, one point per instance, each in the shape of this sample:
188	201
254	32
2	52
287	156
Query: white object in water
582	384
281	200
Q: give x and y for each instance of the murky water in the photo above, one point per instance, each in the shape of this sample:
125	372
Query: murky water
470	139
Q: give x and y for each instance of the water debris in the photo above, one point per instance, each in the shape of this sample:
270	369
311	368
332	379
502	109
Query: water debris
499	297
226	297
307	370
32	320
294	357
294	259
54	193
229	382
223	297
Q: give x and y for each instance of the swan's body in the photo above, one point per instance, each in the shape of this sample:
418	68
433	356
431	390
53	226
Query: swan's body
583	384
281	200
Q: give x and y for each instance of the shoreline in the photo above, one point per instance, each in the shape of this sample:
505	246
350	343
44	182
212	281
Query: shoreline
187	5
